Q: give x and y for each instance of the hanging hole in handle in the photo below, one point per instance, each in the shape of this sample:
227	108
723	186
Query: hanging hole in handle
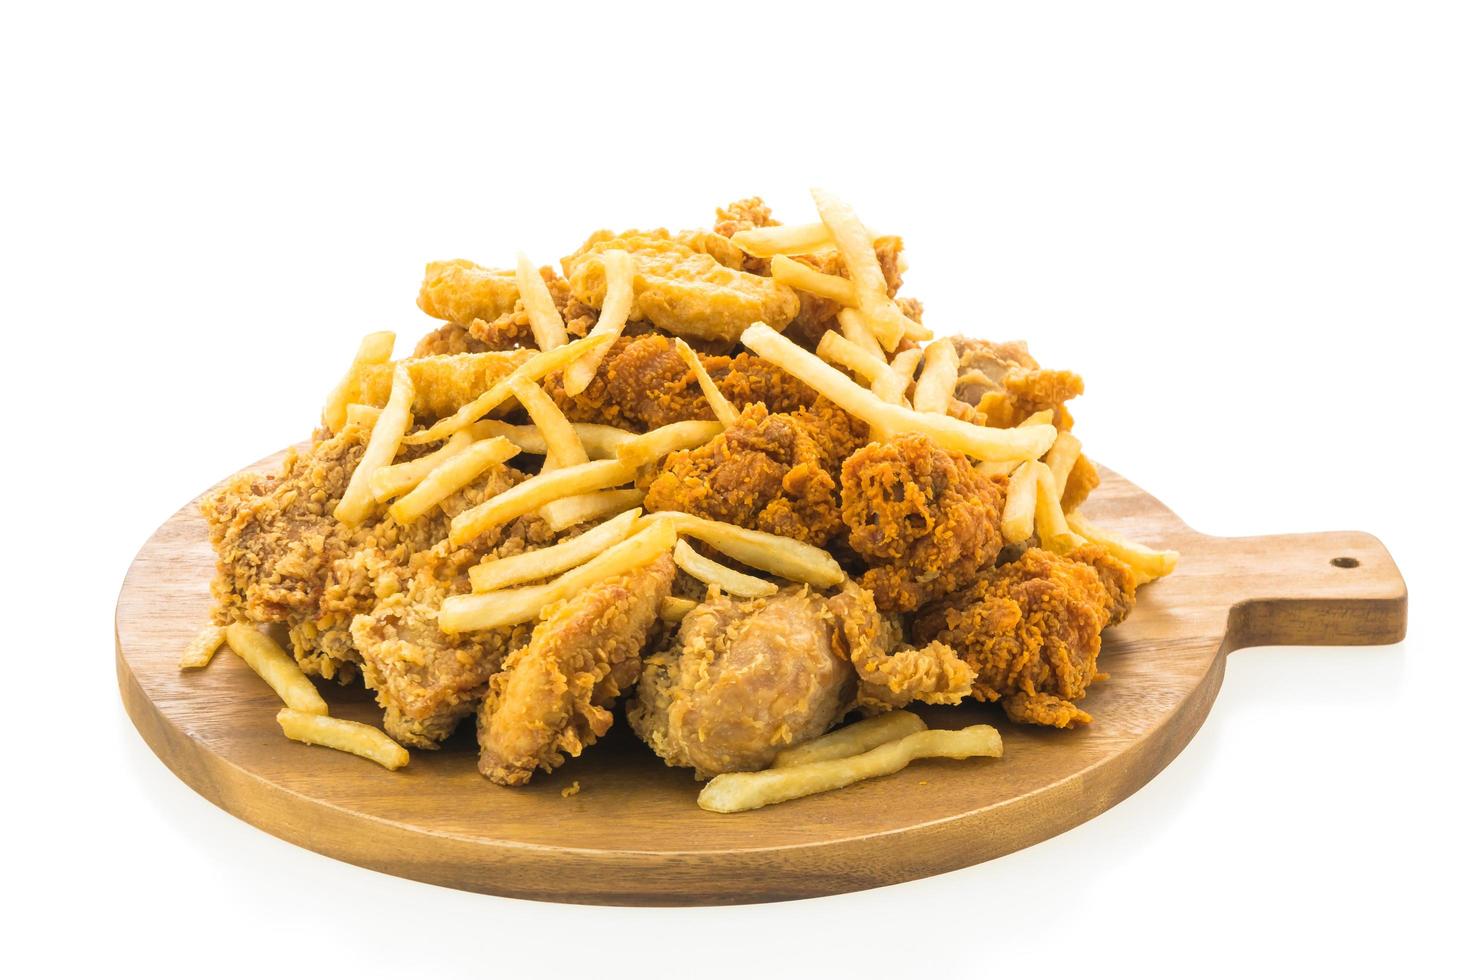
1345	562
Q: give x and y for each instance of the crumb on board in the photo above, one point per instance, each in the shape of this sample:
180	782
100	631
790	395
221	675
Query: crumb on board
572	790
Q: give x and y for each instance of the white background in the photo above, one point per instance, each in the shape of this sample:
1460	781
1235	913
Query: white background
1245	224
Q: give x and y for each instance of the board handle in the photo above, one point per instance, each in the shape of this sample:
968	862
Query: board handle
1340	588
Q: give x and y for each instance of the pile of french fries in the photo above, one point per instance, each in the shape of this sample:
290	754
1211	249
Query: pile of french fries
882	367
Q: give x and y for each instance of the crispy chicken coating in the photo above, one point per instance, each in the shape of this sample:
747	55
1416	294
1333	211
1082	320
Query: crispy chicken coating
766	471
441	383
680	289
643	383
892	673
924	519
751	212
552	698
460	291
1032	629
742	680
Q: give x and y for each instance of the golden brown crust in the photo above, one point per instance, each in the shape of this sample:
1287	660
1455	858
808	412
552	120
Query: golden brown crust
552	698
924	519
1032	629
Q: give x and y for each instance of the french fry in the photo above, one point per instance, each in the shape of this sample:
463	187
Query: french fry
400	478
546	322
763	243
617	303
1147	563
655	444
793	560
376	348
1051	523
855	243
343	735
1004	467
799	275
935	387
600	441
854	739
1061	457
562	514
535	493
563	446
673	609
737	791
534	368
499	573
357	500
1042	417
892	385
489	610
200	650
949	433
713	573
1018	518
452	475
275	667
363	415
855	329
725	413
839	350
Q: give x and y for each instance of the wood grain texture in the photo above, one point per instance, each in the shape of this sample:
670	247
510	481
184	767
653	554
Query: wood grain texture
633	835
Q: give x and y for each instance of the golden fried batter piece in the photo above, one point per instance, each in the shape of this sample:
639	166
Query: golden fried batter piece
443	382
925	520
679	289
765	472
460	291
512	329
450	338
891	673
552	698
1081	481
818	314
742	680
1032	630
643	383
1005	383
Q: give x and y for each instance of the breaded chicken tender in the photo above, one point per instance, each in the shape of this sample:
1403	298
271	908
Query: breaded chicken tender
1032	629
552	698
742	680
443	382
680	289
925	520
1005	383
767	472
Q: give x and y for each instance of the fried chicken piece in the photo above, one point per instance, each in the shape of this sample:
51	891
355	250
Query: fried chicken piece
1005	383
766	471
1032	630
512	328
449	338
425	680
742	215
460	291
925	520
742	680
643	383
1081	481
892	673
818	314
682	290
552	697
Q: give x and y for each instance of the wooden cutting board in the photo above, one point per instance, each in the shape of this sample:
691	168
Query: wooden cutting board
634	836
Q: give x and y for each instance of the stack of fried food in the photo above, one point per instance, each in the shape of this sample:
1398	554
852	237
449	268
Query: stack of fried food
726	478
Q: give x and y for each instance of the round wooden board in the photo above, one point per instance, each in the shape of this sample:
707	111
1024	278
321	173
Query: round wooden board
634	835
